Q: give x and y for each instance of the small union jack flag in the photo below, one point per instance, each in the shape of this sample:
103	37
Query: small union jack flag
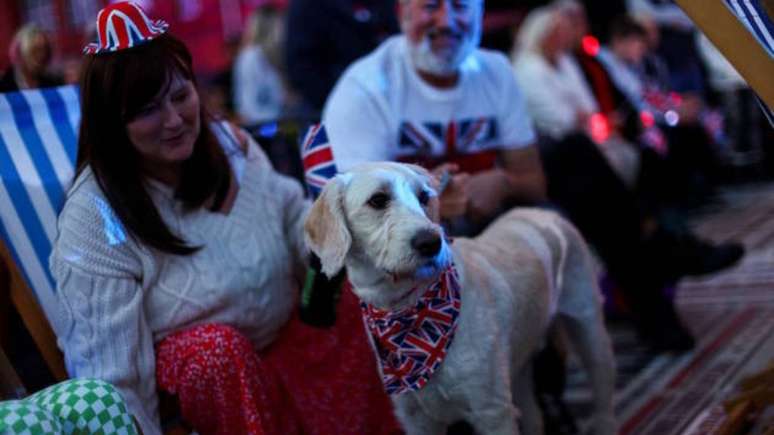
123	25
412	343
317	157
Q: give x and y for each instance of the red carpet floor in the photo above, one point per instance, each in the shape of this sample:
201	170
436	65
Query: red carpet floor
732	315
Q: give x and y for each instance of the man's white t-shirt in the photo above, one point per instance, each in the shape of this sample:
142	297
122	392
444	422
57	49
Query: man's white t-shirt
381	109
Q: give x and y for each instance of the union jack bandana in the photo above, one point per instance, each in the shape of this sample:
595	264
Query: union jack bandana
411	343
123	25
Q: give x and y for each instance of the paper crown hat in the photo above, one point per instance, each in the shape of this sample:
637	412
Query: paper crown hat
123	25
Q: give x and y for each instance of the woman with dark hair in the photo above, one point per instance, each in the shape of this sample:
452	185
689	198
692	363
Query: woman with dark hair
177	260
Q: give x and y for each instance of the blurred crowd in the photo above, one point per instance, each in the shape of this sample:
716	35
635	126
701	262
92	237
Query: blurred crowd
624	72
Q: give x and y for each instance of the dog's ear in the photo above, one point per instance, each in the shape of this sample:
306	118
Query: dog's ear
325	229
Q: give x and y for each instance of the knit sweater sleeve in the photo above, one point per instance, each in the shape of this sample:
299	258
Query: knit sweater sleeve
102	329
290	193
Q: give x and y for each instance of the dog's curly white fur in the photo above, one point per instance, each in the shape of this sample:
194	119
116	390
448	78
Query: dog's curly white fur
529	268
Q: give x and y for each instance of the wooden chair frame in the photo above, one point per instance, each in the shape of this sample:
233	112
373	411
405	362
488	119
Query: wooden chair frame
14	287
22	298
10	384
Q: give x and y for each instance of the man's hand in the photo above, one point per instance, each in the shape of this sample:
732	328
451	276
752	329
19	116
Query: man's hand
525	171
521	179
454	196
488	191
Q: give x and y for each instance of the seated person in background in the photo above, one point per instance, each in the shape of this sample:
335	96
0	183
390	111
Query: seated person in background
563	103
676	44
178	259
30	53
641	253
259	91
430	96
690	161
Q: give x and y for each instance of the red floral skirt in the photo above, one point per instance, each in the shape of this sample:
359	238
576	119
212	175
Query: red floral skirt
310	380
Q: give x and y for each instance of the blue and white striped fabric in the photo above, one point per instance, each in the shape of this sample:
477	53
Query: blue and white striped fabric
38	130
752	14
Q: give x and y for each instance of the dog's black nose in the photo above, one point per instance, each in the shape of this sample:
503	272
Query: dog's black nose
426	242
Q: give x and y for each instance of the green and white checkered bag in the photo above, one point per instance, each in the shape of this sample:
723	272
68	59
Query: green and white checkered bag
77	406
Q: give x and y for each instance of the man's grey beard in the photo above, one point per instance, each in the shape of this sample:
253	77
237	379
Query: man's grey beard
425	60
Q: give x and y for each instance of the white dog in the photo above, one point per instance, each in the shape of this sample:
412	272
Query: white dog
529	267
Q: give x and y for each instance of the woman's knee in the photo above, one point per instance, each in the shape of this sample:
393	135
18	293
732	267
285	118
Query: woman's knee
82	405
220	340
23	416
201	353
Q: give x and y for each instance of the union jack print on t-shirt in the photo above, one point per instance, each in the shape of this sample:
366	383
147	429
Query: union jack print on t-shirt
471	143
458	136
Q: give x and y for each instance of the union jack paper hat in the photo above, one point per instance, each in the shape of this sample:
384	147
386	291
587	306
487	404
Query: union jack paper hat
123	25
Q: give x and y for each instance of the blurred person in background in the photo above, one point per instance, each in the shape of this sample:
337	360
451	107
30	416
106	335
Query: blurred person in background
30	53
676	43
259	90
325	36
692	132
563	104
640	253
431	96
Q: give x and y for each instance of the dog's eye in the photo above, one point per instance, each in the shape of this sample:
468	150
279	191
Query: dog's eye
423	197
379	200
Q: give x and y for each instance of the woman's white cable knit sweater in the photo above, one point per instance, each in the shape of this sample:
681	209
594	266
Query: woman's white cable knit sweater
118	298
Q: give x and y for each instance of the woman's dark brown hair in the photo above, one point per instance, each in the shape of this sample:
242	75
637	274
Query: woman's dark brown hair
114	88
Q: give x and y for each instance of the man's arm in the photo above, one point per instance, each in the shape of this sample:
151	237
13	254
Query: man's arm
527	182
520	179
520	161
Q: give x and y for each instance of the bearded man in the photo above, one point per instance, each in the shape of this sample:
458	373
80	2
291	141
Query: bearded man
431	96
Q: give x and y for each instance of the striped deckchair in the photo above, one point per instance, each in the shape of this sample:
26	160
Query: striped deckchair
753	14
38	130
743	31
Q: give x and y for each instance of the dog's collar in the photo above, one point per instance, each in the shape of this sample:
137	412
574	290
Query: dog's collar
411	343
